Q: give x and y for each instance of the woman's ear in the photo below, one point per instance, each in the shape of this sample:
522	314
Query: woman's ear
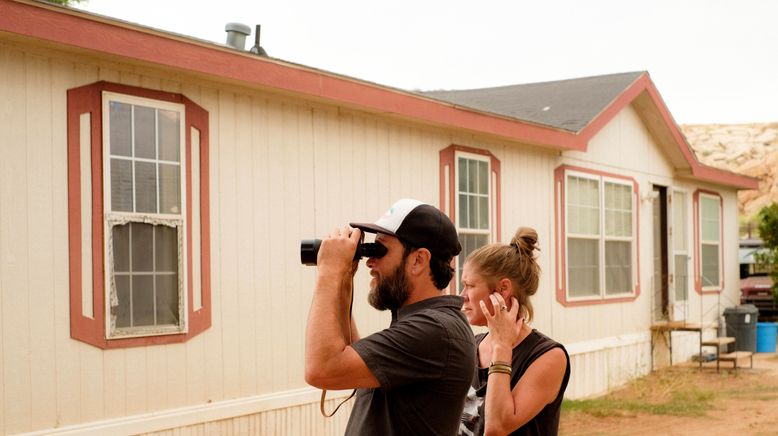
505	288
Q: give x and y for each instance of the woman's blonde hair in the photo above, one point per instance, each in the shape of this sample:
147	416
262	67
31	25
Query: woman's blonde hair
515	261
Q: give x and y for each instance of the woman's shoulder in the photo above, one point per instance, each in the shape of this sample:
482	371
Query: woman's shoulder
537	344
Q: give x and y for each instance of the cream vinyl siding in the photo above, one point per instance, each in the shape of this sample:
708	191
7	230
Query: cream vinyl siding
282	169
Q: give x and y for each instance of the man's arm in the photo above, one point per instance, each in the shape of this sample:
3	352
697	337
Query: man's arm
330	362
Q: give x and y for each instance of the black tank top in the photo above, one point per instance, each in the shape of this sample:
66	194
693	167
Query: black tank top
546	422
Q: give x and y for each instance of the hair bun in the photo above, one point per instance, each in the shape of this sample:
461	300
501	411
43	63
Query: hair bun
525	241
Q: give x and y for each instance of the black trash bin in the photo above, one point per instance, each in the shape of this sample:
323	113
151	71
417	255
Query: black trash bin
741	325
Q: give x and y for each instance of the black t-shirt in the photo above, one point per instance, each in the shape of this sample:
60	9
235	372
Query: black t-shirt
424	362
546	422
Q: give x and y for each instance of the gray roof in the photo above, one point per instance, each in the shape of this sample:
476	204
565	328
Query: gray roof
565	104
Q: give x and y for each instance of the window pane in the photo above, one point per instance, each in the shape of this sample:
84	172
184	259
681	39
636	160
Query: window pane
151	288
121	248
122	311
469	244
169	182
169	135
462	167
709	219
592	190
120	121
167	299
583	267
142	254
710	265
483	178
142	300
610	222
463	209
166	239
679	221
121	185
472	175
618	210
146	187
583	209
145	129
709	207
681	277
472	213
618	267
592	221
483	212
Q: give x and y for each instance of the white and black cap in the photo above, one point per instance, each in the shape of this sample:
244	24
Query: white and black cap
419	225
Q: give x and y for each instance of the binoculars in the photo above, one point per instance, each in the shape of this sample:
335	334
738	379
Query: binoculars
309	250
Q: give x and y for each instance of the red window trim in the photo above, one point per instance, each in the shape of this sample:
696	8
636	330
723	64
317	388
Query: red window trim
561	237
698	242
448	191
88	99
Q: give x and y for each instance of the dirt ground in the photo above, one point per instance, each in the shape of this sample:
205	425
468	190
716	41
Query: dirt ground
742	402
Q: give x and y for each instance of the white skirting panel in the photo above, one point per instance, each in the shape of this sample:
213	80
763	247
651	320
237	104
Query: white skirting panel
285	413
599	366
602	365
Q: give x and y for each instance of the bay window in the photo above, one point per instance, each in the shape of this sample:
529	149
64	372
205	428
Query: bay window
139	227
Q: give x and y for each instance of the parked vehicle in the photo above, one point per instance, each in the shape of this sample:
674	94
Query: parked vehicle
755	283
757	290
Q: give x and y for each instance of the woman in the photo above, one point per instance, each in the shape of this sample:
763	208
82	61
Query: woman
521	374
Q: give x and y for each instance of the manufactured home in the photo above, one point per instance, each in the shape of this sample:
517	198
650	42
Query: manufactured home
154	190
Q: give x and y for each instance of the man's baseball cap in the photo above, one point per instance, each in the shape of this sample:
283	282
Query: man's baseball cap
418	224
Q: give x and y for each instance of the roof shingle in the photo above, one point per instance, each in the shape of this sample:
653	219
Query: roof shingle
565	104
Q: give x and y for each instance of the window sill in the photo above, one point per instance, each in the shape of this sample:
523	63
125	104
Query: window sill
566	301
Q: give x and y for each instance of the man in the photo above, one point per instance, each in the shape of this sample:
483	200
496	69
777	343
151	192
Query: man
413	376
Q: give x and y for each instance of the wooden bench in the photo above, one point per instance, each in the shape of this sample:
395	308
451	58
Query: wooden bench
733	357
717	343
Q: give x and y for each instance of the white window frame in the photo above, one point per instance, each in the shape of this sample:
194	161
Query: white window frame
112	219
702	241
491	202
601	238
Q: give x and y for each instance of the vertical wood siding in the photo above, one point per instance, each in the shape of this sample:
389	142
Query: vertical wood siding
14	244
282	170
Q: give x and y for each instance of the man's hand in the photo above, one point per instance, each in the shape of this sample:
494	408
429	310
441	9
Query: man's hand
336	254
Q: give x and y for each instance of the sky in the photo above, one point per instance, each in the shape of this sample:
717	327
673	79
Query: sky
713	61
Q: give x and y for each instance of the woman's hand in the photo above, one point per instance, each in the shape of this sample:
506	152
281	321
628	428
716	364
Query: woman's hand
504	324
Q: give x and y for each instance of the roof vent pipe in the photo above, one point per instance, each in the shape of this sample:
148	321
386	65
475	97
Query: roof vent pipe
236	35
257	49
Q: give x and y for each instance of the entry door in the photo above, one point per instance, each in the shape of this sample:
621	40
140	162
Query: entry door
678	202
661	275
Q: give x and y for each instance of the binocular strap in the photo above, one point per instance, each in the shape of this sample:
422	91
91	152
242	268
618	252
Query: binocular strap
324	397
324	391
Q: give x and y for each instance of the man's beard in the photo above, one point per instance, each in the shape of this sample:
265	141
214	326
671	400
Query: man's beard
390	292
